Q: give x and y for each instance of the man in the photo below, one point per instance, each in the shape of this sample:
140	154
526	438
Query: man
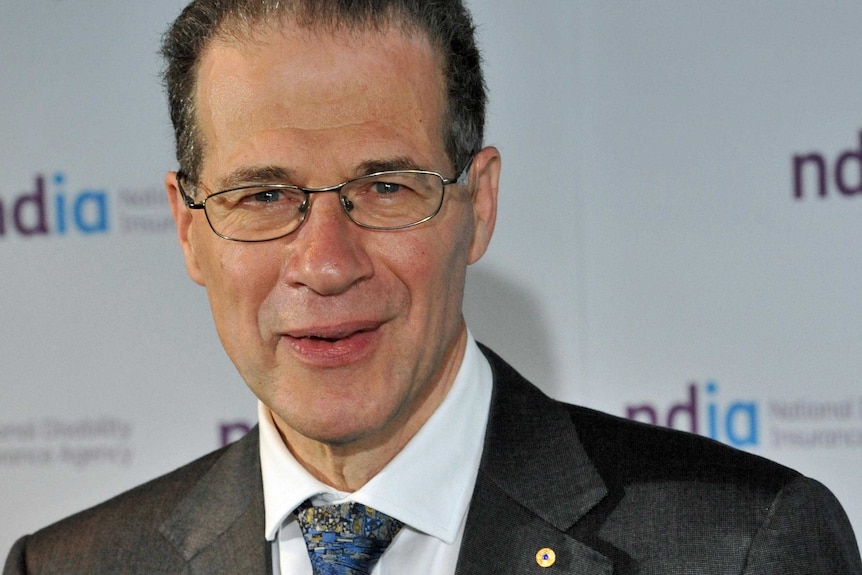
333	189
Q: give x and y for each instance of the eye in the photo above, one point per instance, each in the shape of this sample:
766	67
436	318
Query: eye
266	196
261	197
386	187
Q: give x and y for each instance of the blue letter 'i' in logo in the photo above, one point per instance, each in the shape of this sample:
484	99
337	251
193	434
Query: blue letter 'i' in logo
89	208
59	180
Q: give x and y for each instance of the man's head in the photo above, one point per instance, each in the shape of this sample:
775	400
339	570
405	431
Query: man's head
446	23
351	336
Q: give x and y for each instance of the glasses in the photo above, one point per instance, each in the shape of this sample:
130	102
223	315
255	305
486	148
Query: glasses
390	200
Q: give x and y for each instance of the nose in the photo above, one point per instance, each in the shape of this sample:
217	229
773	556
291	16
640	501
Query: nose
327	254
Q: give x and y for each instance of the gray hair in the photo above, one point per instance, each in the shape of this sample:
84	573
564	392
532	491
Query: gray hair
447	23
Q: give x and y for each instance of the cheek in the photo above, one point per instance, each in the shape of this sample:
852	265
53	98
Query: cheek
437	267
238	279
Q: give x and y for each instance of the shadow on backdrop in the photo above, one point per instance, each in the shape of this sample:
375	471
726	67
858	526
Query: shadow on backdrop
507	318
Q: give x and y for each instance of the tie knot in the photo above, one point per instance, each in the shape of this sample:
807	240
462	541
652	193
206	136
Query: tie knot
345	539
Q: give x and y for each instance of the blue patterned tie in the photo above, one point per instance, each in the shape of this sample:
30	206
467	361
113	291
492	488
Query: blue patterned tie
345	539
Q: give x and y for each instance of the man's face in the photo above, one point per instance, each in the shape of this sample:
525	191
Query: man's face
347	334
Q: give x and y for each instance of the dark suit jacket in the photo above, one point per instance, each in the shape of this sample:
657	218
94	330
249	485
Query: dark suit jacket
606	494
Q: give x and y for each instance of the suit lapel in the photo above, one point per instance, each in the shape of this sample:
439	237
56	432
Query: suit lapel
218	527
535	482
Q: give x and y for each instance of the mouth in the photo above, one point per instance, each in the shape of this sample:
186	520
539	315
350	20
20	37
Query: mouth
333	345
333	333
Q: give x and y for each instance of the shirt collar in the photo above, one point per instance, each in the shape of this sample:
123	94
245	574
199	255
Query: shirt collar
427	486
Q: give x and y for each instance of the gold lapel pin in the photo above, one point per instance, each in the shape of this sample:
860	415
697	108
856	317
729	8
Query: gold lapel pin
546	557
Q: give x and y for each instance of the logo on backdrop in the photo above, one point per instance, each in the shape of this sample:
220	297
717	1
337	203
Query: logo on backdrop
56	205
736	422
230	431
747	423
815	175
75	443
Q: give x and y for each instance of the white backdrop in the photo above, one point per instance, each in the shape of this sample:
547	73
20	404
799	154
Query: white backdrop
651	258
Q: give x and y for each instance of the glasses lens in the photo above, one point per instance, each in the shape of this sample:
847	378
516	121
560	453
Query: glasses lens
255	213
393	199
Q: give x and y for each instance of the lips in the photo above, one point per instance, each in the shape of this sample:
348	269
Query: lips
335	332
333	345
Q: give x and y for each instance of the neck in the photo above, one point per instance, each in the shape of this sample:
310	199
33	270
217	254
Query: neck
344	467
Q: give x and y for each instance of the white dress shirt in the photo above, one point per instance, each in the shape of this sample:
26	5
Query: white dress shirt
427	486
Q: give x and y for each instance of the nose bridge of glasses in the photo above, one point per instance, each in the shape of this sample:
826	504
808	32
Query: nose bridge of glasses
344	202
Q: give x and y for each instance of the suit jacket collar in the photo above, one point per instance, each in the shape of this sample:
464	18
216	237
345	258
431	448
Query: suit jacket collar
535	482
218	527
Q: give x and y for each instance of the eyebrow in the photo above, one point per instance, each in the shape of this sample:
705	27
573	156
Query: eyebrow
277	174
255	175
387	165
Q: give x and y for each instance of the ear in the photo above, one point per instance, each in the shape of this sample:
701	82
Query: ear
185	231
485	179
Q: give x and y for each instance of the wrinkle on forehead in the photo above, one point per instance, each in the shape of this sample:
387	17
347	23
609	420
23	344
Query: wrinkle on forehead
260	89
253	52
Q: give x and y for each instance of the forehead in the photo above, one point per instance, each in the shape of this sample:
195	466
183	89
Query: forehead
319	91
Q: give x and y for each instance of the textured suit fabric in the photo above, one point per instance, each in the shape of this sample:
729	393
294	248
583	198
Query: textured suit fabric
606	494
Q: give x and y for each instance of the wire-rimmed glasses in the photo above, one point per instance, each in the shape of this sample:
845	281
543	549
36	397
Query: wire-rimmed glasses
388	200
